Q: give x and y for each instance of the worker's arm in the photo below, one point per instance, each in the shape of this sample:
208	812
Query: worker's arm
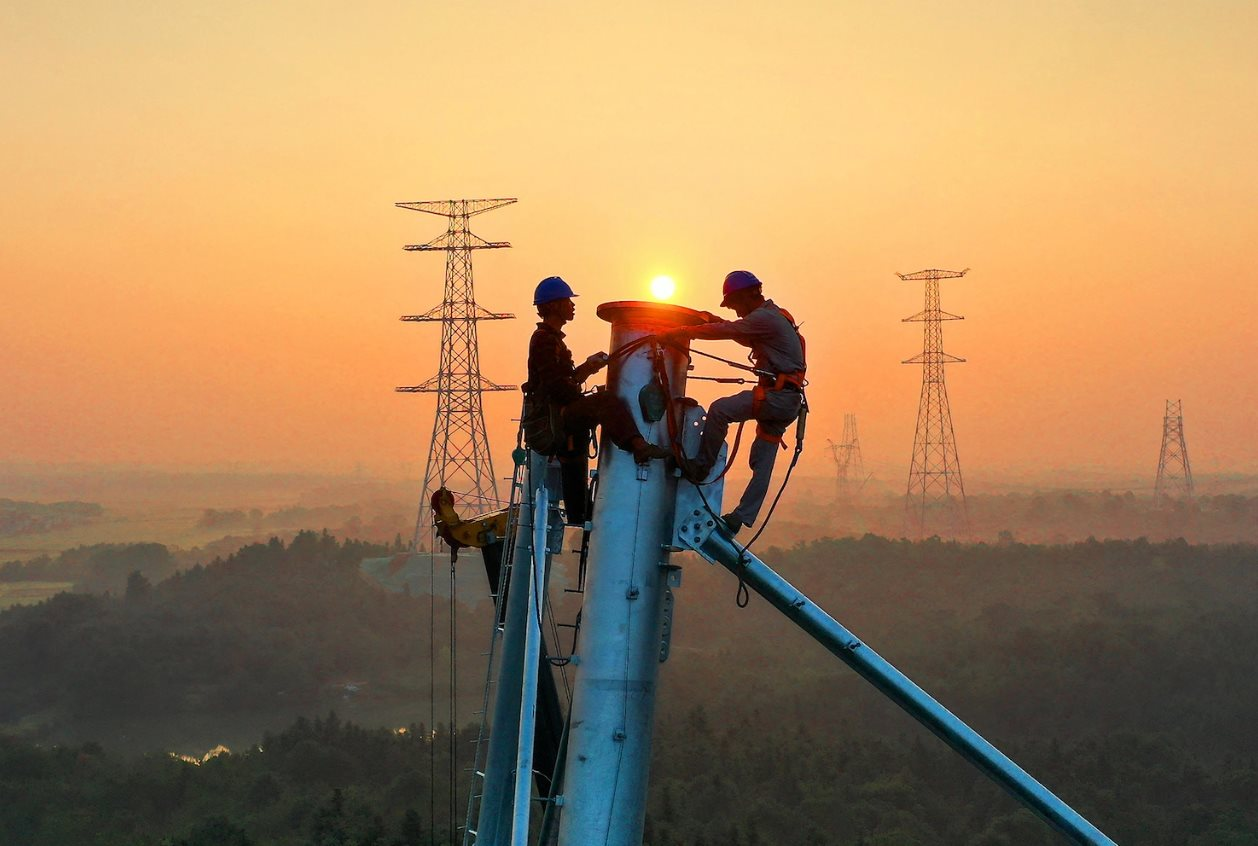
590	366
743	330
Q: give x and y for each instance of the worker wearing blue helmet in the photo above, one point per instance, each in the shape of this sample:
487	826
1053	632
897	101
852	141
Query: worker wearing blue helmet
777	354
559	416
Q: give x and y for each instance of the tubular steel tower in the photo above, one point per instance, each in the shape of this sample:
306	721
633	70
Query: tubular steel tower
1174	473
849	467
458	458
935	501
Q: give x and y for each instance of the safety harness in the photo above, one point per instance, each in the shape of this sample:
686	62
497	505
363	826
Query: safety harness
794	380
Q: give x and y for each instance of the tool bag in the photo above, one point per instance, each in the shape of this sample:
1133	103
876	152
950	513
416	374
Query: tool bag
542	423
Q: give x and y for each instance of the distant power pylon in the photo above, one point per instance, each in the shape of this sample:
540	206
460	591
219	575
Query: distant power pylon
458	457
935	501
1174	472
848	465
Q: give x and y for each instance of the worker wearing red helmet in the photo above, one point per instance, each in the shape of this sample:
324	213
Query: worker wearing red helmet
777	353
559	416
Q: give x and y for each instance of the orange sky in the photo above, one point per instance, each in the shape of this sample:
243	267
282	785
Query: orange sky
201	262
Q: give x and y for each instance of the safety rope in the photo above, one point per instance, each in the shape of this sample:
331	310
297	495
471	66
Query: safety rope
453	729
724	380
742	597
432	697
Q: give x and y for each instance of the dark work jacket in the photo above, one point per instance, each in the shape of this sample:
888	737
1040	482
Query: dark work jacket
553	377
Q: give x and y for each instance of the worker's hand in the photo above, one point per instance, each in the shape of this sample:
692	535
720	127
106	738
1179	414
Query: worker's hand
709	317
673	337
595	363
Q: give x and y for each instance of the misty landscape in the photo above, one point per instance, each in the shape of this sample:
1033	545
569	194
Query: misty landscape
258	688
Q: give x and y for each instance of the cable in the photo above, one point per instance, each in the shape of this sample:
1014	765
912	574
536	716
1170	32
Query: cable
432	699
724	380
454	707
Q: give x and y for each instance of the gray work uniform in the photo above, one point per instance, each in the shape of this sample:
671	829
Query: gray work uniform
776	347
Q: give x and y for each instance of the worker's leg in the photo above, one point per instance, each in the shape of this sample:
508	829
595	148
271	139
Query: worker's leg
607	410
779	410
726	410
574	476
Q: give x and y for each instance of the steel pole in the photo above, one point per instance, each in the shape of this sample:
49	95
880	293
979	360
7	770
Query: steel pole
493	824
613	699
528	686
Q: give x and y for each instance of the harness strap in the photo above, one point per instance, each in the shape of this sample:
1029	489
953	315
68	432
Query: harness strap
763	434
758	394
733	453
795	378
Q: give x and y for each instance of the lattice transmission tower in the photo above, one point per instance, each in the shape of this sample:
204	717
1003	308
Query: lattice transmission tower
935	501
458	457
848	465
1174	472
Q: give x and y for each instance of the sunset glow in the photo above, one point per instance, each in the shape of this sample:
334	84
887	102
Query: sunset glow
202	264
663	287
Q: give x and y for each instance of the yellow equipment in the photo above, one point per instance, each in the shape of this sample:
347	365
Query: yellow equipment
479	531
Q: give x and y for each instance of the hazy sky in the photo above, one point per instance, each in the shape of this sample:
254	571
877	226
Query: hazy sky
201	263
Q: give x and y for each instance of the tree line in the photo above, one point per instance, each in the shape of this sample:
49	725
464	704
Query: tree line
1119	673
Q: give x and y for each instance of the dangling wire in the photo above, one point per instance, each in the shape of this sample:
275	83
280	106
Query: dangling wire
432	696
453	729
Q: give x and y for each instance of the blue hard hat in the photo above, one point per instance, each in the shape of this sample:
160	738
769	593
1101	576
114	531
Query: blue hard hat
736	281
550	289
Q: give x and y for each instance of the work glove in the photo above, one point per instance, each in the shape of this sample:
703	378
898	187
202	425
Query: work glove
595	363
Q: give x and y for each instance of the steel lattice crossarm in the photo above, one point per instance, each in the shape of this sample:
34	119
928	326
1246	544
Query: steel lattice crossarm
457	241
924	316
933	274
434	385
934	357
472	311
457	208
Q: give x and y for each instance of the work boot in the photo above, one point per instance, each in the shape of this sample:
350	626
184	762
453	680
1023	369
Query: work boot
692	470
643	451
732	523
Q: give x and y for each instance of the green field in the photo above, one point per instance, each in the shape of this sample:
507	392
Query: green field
28	593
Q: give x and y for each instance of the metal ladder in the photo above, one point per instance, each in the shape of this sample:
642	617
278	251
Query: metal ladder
519	483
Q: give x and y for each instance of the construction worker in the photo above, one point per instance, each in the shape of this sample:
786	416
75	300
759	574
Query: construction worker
777	354
562	415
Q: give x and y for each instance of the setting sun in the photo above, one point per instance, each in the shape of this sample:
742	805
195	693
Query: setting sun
663	287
